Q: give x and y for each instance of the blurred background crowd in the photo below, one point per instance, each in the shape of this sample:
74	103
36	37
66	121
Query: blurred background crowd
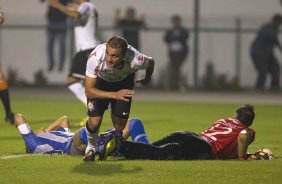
203	44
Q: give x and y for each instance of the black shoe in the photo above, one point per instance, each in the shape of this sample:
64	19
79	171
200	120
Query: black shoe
10	118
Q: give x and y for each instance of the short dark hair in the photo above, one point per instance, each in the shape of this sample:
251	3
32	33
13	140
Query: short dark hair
246	114
118	42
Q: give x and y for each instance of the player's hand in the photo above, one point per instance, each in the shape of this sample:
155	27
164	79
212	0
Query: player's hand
144	81
123	94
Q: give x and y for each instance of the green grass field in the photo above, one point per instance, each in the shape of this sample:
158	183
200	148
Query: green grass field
160	119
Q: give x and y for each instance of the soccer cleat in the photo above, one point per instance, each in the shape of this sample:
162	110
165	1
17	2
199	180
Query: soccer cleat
109	148
10	118
89	156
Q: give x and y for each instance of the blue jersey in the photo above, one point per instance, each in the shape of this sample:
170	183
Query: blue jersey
51	142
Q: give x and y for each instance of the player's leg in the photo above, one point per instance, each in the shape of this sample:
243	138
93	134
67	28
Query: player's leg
5	98
62	43
261	66
76	75
136	150
120	110
50	47
92	129
136	130
79	144
76	86
30	139
193	146
175	137
96	109
275	73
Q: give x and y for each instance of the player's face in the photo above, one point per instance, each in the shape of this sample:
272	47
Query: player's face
113	56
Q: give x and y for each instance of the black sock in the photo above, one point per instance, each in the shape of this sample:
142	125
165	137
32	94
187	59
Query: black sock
4	95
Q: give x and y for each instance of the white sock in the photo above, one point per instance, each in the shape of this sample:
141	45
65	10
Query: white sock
24	128
92	139
79	91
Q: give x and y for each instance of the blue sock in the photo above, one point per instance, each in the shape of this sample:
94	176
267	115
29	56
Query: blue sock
137	131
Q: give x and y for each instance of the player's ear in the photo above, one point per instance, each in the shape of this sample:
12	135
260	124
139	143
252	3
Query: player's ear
235	115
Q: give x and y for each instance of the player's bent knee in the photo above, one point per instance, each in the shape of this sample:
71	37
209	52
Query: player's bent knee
65	122
19	119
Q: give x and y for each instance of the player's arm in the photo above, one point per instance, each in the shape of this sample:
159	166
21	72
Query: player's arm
68	10
78	142
245	138
149	72
61	122
92	92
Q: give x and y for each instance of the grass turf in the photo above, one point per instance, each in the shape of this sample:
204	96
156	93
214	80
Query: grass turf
160	119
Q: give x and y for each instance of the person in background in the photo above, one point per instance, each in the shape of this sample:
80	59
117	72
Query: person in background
4	88
56	31
130	26
262	53
176	39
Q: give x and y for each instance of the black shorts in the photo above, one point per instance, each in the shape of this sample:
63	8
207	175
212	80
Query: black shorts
120	108
79	62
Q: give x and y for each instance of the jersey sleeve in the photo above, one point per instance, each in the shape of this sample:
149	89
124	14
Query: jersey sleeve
83	9
92	67
140	61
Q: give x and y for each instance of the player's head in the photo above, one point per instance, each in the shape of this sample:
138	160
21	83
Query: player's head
276	20
115	51
245	114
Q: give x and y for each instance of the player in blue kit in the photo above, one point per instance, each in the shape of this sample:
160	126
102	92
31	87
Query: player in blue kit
57	138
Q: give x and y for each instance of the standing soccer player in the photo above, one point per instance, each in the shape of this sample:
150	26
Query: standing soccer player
4	89
85	16
109	80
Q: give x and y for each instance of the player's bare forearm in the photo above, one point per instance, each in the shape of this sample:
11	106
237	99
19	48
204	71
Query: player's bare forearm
92	92
61	122
243	143
123	94
150	69
97	93
149	73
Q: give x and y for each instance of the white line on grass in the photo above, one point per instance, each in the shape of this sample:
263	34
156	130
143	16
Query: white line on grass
15	156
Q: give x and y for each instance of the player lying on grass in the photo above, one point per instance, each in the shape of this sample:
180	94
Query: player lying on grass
57	138
227	138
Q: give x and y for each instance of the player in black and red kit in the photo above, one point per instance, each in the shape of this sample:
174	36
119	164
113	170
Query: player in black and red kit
226	139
